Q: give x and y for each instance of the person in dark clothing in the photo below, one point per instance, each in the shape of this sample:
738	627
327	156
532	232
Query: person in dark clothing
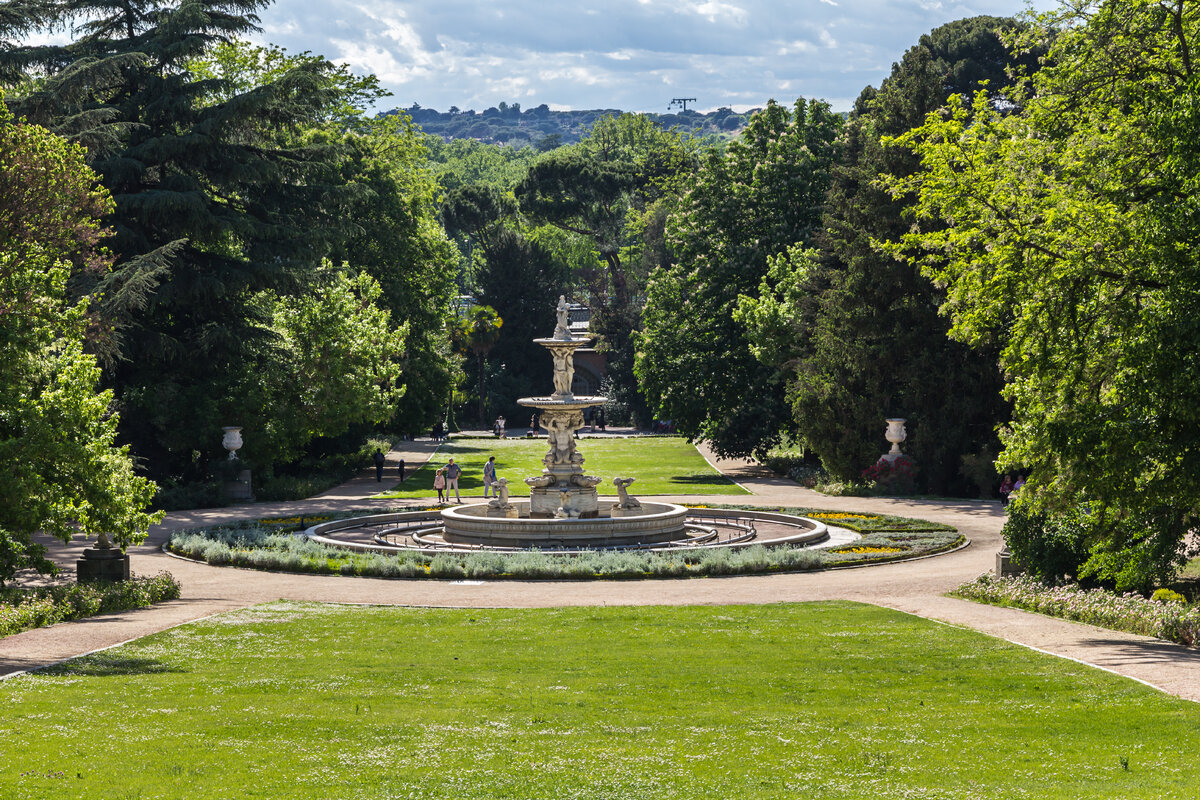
378	458
400	467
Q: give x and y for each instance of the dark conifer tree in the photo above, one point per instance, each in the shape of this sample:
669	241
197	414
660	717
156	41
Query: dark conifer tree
217	195
869	341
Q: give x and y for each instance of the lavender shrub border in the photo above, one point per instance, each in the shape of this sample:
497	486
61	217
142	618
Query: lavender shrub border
1131	613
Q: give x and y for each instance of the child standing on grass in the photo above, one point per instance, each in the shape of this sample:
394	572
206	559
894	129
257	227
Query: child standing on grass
439	483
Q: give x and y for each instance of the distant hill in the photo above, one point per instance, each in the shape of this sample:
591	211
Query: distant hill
544	129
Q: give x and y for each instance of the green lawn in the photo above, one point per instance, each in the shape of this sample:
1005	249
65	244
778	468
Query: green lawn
661	466
832	700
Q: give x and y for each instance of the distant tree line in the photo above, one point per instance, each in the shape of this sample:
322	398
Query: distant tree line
544	129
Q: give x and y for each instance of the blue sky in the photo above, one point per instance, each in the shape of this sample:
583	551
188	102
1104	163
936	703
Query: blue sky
633	55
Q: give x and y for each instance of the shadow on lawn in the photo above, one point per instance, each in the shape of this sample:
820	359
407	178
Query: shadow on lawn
701	480
105	665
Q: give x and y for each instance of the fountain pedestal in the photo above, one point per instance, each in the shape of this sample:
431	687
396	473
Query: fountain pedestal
564	508
562	490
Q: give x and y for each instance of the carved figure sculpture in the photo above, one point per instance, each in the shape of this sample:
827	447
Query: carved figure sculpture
564	371
541	481
623	498
562	329
501	498
586	481
562	443
564	506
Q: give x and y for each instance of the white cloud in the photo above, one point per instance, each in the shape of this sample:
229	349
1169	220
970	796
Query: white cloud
632	54
798	46
369	58
712	10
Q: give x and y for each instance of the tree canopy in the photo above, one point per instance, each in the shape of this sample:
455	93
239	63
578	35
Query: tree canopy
63	472
858	329
1073	239
234	171
747	205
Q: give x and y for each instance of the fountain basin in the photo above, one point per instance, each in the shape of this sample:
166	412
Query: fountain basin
569	403
653	522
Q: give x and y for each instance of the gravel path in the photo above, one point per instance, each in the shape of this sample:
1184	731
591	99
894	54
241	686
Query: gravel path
915	587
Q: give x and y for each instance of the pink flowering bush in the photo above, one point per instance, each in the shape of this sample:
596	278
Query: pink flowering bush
1131	612
898	476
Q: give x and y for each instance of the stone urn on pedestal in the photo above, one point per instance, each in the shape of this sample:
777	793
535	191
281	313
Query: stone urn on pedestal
102	562
895	434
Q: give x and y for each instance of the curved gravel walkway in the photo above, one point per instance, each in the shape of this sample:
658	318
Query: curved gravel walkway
915	587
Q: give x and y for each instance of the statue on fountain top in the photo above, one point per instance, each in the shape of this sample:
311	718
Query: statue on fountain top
562	330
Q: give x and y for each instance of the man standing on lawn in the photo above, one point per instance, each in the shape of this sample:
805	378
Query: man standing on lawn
452	472
489	475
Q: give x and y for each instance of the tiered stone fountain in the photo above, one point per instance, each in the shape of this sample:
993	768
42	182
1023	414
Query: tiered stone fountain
564	508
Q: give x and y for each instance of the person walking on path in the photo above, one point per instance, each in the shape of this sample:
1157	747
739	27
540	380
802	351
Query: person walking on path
439	483
452	472
378	457
400	468
489	475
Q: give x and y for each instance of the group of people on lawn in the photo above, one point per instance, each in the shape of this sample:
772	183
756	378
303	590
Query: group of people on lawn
446	478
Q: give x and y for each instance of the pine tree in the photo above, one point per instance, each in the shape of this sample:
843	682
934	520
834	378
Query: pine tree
218	194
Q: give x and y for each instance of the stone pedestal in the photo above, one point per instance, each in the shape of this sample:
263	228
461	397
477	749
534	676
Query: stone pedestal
102	564
510	512
1006	566
582	502
241	488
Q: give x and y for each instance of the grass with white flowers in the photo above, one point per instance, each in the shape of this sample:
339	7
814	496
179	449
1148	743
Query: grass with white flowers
828	700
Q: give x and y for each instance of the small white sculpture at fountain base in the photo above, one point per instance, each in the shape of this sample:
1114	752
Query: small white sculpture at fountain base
625	503
500	506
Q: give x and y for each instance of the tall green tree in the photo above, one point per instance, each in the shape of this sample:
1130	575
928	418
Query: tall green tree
333	364
387	208
747	205
63	474
217	196
391	230
516	276
1073	238
859	328
478	332
600	189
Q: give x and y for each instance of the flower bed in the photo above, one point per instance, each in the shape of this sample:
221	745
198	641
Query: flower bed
261	545
1129	612
24	609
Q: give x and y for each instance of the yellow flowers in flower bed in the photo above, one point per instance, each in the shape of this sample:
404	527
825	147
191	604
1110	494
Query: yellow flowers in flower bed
843	516
291	520
868	550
